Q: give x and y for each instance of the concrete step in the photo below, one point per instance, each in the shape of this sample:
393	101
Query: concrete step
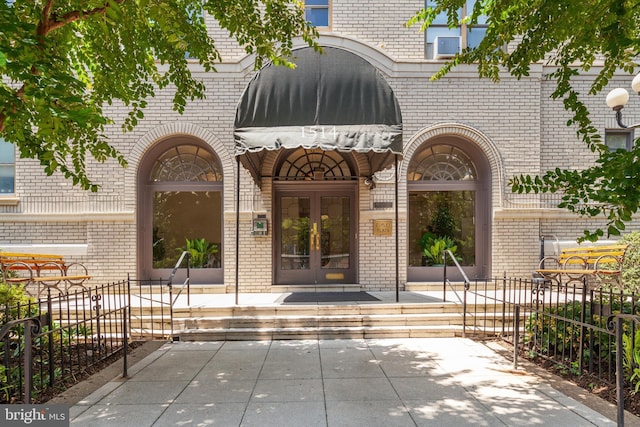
257	334
253	334
272	319
316	288
336	321
433	286
302	310
408	322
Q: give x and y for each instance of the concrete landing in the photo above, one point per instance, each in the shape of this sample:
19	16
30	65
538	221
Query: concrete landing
363	382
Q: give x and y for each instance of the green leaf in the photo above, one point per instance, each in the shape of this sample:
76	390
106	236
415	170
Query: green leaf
604	33
111	58
613	231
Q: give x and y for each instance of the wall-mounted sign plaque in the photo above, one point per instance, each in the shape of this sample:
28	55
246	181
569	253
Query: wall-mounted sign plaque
382	227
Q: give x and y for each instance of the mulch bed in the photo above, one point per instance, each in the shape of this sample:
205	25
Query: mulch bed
71	380
593	385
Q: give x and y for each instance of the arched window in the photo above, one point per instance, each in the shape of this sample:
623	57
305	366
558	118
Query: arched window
314	164
186	163
182	201
447	206
441	163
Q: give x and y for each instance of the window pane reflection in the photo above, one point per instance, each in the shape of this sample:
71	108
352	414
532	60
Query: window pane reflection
335	244
439	214
187	220
294	250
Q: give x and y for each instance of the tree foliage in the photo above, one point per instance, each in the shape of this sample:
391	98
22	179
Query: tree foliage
569	36
63	61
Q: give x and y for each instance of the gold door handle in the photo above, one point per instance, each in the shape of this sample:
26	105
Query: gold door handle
315	236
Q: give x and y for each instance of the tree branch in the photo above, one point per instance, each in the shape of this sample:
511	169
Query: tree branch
51	22
3	114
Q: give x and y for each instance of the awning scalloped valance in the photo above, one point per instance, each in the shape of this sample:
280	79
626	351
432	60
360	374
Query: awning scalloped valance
332	100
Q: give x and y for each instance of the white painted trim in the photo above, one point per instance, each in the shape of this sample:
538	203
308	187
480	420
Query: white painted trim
70	217
58	249
9	200
533	213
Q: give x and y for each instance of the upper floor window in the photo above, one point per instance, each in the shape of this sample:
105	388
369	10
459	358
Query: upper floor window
619	139
443	42
7	167
317	13
195	16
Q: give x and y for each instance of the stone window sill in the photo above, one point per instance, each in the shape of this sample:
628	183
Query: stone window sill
9	200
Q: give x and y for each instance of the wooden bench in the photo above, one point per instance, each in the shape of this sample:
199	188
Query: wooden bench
576	264
45	271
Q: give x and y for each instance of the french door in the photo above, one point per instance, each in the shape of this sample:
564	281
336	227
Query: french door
315	236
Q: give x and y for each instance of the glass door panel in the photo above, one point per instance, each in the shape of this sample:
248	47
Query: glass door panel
314	239
295	230
335	232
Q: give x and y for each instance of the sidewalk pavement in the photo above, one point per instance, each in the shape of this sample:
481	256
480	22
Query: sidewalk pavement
392	382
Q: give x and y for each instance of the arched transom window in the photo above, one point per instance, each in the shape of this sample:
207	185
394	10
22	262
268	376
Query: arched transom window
442	163
314	164
186	163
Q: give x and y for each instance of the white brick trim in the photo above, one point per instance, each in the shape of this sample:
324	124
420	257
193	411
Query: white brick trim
170	130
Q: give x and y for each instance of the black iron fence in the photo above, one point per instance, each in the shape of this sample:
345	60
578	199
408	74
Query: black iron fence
153	304
577	327
46	344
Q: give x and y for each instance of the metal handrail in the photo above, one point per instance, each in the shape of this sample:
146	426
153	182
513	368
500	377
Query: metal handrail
446	281
186	283
173	297
177	266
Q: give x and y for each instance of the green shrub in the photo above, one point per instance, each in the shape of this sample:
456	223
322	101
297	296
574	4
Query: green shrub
12	296
551	334
631	265
631	359
434	247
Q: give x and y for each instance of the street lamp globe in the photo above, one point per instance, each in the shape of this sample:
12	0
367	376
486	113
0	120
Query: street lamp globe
618	98
635	84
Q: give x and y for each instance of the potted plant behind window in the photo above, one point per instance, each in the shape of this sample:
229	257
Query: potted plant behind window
435	246
438	238
201	252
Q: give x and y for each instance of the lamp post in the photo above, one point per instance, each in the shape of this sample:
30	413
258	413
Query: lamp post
618	98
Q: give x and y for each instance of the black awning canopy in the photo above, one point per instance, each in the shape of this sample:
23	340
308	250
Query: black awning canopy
332	100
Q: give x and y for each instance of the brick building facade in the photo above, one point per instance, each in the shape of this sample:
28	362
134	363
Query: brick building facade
504	129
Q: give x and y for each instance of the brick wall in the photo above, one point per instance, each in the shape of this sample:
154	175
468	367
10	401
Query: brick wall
521	130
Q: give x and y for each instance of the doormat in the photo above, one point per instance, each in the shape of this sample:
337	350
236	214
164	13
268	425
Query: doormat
329	297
